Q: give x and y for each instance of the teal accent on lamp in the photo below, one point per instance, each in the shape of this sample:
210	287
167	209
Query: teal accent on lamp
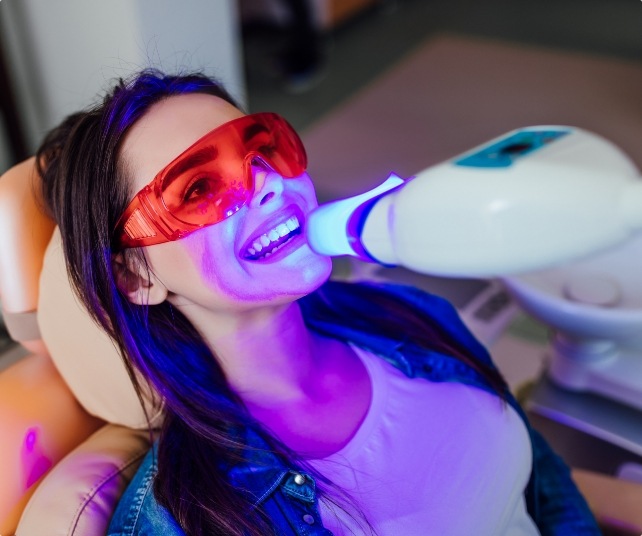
504	152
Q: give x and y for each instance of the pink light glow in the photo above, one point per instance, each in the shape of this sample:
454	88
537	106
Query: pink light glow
34	462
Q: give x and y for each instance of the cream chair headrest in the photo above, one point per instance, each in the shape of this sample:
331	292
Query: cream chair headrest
82	352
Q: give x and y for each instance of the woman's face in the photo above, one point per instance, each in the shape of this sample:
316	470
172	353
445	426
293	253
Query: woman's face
215	268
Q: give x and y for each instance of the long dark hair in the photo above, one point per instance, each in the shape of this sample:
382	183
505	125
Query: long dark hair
86	189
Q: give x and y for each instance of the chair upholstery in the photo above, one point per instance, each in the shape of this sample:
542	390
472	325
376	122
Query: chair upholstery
90	479
83	354
58	455
40	422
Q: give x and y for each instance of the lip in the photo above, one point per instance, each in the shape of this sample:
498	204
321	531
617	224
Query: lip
270	223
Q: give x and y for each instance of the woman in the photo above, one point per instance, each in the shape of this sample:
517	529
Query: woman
182	220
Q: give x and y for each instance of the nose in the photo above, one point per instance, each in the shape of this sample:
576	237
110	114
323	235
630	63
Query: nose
268	184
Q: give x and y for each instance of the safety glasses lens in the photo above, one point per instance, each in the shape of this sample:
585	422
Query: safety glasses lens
213	178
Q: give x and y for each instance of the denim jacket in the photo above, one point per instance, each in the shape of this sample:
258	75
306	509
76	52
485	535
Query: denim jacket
288	494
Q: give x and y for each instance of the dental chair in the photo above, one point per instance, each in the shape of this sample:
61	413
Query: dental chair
72	431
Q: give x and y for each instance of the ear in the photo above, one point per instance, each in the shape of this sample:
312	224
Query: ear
140	286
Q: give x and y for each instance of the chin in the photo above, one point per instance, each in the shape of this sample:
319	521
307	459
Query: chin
310	276
293	277
320	269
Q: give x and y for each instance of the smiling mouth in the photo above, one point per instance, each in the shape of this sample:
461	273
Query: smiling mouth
267	244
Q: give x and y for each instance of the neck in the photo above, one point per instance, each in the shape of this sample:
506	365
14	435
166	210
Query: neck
311	392
267	353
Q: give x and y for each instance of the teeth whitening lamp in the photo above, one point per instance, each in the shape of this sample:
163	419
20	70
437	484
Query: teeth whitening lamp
523	207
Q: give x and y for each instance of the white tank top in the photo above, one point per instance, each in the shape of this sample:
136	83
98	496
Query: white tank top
430	459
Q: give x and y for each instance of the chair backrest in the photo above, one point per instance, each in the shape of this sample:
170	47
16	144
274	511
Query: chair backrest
83	354
77	495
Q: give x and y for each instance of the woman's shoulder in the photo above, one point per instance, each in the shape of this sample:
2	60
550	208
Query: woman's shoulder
383	302
338	292
138	511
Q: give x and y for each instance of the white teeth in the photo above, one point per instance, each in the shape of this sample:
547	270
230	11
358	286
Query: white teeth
292	223
281	230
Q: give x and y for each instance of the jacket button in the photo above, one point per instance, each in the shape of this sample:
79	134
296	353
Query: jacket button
299	479
308	519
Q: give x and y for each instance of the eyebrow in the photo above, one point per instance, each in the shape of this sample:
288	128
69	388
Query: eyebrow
254	130
200	157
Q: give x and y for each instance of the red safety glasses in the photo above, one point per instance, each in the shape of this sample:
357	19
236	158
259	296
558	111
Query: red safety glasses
210	180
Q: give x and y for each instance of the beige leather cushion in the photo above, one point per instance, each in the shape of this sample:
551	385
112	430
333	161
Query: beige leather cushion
82	352
79	495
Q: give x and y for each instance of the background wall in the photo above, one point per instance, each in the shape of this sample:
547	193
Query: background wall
62	54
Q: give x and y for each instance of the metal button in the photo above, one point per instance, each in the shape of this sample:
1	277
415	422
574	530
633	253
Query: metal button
299	479
308	519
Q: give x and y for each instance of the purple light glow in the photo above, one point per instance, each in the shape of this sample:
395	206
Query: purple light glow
34	462
30	439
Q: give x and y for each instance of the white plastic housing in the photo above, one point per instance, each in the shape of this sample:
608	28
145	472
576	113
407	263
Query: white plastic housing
571	196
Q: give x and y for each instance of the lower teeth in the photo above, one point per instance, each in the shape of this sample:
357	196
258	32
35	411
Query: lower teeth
266	255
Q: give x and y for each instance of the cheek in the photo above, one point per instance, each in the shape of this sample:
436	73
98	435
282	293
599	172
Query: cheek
208	269
306	188
184	266
215	255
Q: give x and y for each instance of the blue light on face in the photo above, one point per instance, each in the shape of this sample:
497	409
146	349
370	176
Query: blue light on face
506	151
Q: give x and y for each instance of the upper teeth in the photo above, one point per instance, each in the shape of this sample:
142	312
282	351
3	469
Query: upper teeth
273	235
